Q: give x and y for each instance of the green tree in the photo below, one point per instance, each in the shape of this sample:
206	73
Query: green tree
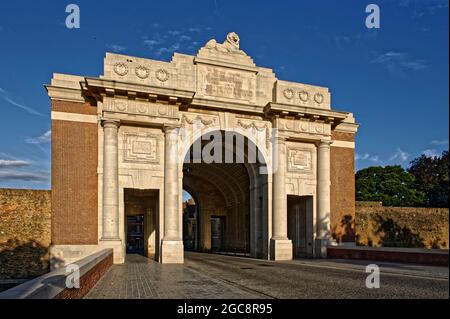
391	185
431	178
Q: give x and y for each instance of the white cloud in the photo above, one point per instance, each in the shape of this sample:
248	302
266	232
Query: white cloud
175	46
367	157
185	38
354	39
399	63
8	176
174	32
439	142
13	163
166	42
420	8
43	139
151	43
116	48
6	96
399	156
430	153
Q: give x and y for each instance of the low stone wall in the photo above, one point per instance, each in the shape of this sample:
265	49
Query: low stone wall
411	227
25	233
53	285
435	257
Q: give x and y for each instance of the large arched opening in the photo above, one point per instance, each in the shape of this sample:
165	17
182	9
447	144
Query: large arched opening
228	212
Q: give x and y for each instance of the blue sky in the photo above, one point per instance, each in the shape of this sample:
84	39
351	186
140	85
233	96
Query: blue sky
394	79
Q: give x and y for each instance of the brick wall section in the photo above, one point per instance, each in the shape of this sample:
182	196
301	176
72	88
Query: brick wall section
74	177
73	107
88	280
405	256
377	225
25	233
342	189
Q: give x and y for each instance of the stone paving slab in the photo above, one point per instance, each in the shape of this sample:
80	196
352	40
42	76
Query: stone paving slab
228	277
141	278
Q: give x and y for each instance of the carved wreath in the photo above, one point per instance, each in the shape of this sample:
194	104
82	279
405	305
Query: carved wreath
162	75
303	95
319	98
288	93
142	72
120	68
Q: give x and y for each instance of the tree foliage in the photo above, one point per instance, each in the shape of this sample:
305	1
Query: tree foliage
391	185
431	178
424	183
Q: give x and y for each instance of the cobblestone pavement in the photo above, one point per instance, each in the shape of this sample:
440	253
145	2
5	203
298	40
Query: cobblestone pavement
218	276
142	278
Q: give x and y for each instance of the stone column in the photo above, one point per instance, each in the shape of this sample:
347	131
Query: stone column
323	197
110	219
110	203
172	244
281	246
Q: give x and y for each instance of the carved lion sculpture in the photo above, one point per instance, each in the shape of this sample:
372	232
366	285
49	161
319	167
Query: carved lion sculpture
230	45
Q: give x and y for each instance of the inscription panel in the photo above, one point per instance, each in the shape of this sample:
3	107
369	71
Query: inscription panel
226	83
299	160
140	148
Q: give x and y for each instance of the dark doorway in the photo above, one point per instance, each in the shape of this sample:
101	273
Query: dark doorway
217	234
190	225
135	234
300	225
141	210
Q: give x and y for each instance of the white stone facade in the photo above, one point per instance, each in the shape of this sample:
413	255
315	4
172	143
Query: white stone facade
143	105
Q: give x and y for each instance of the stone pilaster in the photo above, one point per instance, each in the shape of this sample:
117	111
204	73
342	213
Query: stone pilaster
323	197
110	222
280	245
172	245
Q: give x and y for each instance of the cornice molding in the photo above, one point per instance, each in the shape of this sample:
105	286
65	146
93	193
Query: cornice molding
65	93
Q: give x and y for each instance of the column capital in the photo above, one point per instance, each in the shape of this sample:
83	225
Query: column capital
169	128
324	143
110	123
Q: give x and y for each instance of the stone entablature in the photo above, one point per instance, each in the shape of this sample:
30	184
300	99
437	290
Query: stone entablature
141	103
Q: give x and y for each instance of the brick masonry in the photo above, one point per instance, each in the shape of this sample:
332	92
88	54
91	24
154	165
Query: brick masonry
88	280
74	177
377	225
342	189
404	256
25	233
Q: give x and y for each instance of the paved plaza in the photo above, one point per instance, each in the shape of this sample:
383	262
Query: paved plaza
219	276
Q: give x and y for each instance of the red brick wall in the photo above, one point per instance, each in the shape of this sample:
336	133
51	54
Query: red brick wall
74	177
88	280
343	189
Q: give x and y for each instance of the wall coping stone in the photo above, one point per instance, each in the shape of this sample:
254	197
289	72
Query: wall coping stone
51	284
394	249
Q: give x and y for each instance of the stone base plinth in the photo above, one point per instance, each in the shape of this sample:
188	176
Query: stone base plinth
280	249
321	247
117	247
172	252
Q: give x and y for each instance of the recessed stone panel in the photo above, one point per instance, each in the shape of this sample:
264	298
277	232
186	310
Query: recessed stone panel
141	148
299	160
